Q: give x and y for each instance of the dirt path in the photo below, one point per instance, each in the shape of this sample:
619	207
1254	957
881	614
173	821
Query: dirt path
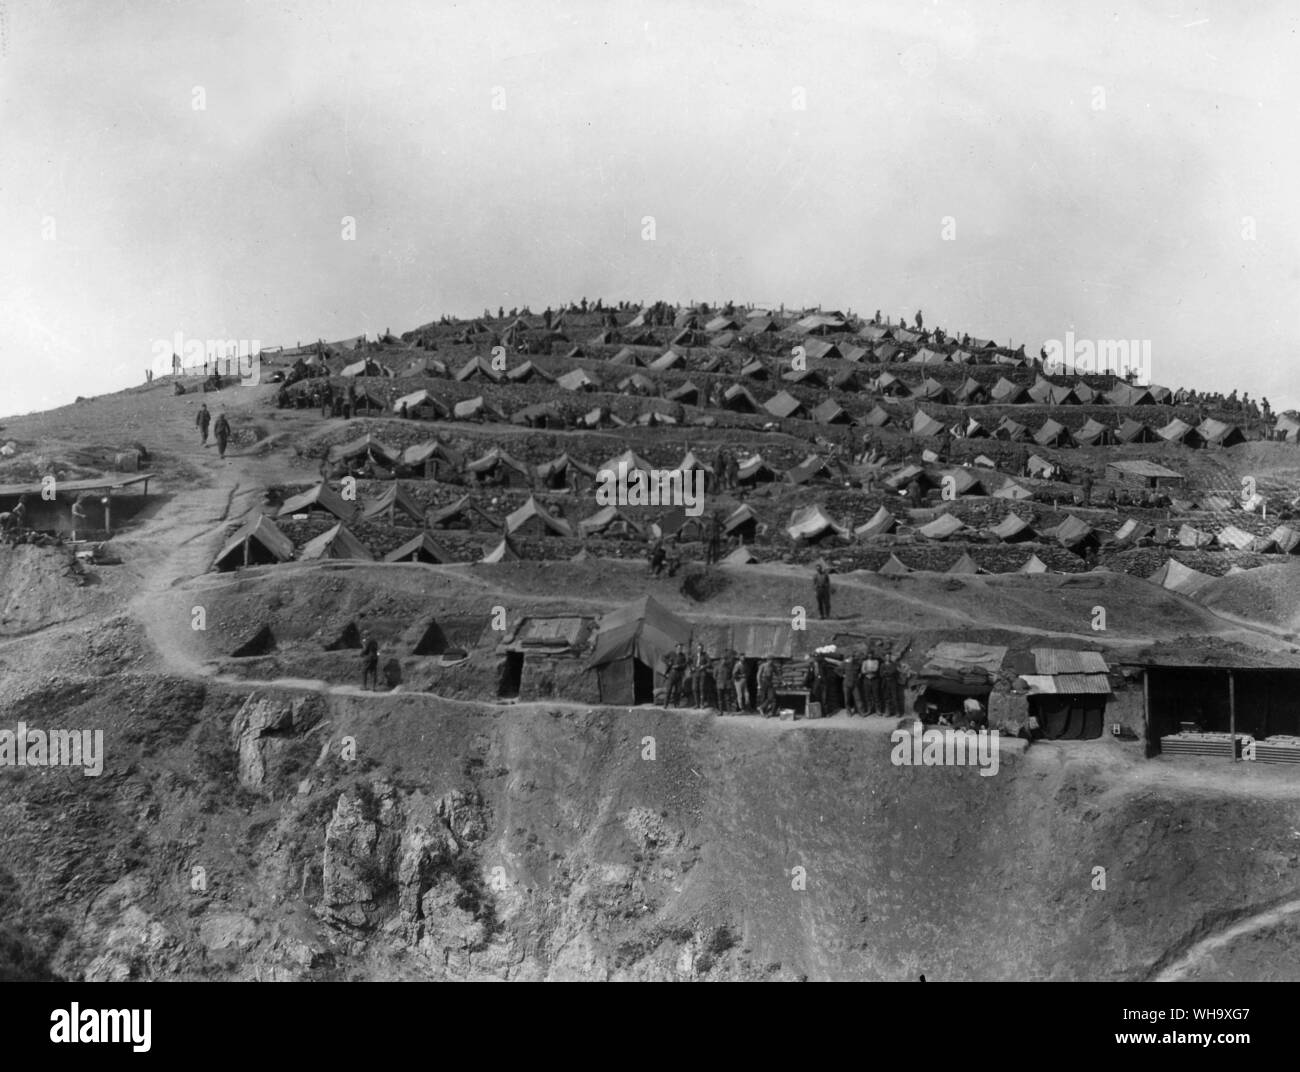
1191	960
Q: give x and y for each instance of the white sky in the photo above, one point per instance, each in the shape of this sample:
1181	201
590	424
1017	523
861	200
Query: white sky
1124	222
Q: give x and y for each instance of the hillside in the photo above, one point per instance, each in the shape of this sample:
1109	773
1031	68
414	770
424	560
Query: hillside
474	837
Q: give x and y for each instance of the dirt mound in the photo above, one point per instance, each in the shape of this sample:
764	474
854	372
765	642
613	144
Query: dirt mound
1269	595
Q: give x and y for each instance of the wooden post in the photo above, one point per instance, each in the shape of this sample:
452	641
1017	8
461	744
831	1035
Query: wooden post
1232	713
1146	710
108	515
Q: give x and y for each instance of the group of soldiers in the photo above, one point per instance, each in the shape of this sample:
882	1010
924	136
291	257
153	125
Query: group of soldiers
220	430
867	681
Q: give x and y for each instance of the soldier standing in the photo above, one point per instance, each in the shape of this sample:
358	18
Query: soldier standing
722	680
740	679
676	669
699	676
871	681
852	667
369	661
767	687
201	420
822	589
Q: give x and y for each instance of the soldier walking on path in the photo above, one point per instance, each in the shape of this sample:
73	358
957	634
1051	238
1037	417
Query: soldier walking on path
222	432
201	421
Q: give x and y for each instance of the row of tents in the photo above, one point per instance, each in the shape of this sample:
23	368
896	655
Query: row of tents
1093	433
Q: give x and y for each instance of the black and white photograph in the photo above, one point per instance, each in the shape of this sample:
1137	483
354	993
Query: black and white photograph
572	491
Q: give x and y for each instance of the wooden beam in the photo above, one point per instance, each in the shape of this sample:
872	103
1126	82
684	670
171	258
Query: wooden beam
1232	713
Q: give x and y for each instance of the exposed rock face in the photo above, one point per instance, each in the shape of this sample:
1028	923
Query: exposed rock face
262	728
409	862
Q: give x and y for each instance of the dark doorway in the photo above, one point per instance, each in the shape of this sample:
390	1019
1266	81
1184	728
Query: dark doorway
512	673
1069	718
432	642
643	683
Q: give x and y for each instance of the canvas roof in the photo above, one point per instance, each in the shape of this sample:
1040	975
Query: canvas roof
366	444
831	412
925	425
783	404
893	567
881	522
575	380
1219	432
966	565
1012	490
955	657
741	556
1034	565
644	630
1177	431
812	521
942	527
338	542
465	505
494	457
1013	527
1133	431
1072	531
1052	433
741	515
423	542
604	518
1007	392
395	497
533	509
321	495
501	551
877	418
478	366
262	529
422	397
1176	577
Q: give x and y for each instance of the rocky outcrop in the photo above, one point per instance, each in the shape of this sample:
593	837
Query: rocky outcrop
262	728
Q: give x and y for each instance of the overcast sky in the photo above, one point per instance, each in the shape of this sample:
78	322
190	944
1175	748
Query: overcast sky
1120	173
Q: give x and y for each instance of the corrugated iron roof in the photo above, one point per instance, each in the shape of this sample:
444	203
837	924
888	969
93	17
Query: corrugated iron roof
1066	661
1067	684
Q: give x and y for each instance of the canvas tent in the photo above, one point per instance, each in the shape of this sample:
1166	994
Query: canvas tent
631	646
880	523
1094	434
925	425
609	521
421	405
338	542
1131	431
812	524
1067	692
831	412
942	527
1013	529
784	404
1053	434
1034	565
1176	577
462	514
576	380
893	567
533	519
502	550
1180	432
421	548
1220	434
394	498
498	467
319	498
257	543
